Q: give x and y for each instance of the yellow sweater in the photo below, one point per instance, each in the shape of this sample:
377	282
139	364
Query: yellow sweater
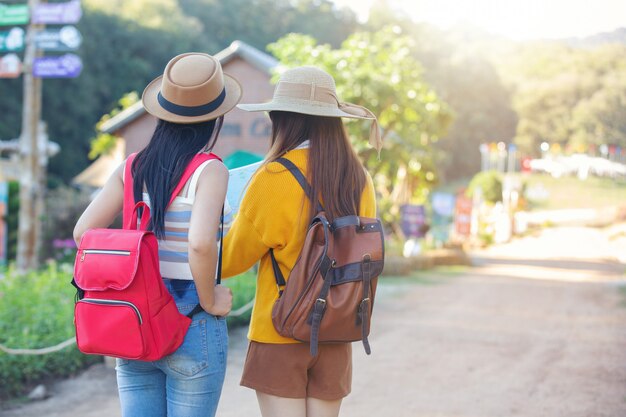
273	215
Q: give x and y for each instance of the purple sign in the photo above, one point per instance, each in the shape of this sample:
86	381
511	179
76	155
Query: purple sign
64	66
57	13
413	220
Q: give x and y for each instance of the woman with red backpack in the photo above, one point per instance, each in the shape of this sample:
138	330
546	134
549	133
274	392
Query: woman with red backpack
190	101
271	226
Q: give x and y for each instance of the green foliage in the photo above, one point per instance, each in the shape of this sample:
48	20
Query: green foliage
573	97
490	184
458	67
36	311
243	287
128	43
103	143
377	71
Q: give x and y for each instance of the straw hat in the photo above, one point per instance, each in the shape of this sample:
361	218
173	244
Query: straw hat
310	90
192	89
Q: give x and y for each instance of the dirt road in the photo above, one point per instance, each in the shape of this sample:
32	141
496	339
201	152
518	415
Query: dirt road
536	329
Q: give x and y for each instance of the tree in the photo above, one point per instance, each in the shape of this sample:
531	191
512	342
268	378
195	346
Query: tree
458	68
128	43
375	70
568	96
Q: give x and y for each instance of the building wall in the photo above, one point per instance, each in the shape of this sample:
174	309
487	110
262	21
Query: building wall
241	131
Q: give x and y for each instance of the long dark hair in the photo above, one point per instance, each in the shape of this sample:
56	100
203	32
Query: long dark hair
334	170
160	166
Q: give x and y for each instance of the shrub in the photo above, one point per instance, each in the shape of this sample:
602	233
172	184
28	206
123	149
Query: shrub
243	287
64	206
36	311
490	183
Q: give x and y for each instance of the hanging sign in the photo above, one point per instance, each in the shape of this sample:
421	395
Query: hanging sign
10	66
57	13
64	66
12	40
68	38
14	14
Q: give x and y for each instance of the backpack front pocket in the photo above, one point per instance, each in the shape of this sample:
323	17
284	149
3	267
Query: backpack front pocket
109	327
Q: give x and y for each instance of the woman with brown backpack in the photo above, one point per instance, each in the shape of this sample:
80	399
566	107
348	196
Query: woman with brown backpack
308	137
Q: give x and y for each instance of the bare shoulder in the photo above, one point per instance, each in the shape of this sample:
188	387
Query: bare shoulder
214	171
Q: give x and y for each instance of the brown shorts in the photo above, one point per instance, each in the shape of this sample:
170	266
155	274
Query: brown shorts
289	370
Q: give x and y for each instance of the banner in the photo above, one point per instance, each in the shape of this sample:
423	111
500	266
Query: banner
10	66
4	211
413	220
68	38
443	205
12	40
64	66
463	215
58	13
14	14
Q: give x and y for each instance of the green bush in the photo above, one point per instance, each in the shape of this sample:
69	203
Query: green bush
490	183
244	287
36	311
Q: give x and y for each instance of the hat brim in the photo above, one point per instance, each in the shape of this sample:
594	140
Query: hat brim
300	108
152	106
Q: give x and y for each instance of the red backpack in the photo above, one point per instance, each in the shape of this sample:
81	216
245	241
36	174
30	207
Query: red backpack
123	309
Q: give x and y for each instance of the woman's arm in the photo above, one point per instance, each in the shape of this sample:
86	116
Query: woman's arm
243	247
102	211
203	227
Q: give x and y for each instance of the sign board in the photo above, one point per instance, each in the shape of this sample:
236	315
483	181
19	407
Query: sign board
68	38
12	40
63	66
14	14
58	13
463	215
443	205
413	220
4	211
10	66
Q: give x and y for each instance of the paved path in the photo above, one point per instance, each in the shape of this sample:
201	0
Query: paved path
536	329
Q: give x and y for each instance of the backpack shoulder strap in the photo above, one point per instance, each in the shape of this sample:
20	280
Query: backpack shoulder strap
129	199
295	171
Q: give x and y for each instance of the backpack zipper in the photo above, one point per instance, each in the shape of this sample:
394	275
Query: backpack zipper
104	252
114	303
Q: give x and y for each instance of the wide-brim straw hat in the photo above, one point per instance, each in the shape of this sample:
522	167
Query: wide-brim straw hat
192	89
312	91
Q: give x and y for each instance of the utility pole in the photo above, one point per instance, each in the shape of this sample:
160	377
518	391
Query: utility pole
32	189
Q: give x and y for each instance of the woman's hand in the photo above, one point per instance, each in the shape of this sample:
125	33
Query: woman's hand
222	301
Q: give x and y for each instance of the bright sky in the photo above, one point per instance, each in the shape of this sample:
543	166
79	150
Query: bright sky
515	19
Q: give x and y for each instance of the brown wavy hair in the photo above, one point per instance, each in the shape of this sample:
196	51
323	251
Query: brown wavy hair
334	171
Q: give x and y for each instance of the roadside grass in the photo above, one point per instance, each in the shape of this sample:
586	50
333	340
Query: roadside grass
572	193
435	276
36	310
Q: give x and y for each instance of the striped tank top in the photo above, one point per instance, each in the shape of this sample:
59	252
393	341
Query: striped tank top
174	249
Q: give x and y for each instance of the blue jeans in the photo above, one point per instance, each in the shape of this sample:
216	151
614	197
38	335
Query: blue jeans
187	383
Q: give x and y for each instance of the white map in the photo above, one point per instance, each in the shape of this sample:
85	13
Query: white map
238	180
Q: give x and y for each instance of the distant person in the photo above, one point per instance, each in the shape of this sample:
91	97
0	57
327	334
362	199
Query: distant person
190	100
274	214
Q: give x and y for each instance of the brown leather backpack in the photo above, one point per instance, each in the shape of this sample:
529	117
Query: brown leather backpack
329	295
